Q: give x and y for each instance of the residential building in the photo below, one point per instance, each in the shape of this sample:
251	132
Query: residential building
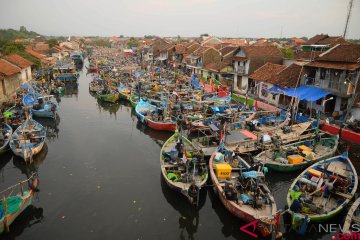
23	64
10	79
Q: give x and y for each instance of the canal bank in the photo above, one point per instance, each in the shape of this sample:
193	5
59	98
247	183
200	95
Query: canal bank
100	178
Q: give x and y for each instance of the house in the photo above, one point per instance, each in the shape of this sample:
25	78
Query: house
180	51
42	48
220	71
202	56
10	79
279	76
337	71
42	58
235	41
247	59
210	41
23	64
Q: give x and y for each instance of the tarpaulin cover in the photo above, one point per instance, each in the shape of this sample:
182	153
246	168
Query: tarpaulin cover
308	93
194	82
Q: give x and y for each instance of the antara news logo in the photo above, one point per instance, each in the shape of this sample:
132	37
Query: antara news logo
250	229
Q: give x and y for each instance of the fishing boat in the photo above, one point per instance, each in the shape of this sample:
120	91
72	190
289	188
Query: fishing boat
28	139
298	155
134	100
108	96
65	73
78	59
44	107
352	217
243	191
12	206
183	167
321	191
154	117
5	135
124	92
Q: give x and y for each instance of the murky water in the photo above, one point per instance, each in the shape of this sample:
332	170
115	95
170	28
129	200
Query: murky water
100	179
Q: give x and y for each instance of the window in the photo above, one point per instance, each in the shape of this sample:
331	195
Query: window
27	74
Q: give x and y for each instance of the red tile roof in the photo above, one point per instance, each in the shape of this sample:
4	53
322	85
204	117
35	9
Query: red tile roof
307	55
227	50
298	40
267	72
18	61
324	39
235	41
342	53
289	77
216	67
262	51
198	52
8	69
335	65
180	48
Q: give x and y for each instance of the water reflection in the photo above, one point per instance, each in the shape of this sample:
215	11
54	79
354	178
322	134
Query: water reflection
189	214
27	168
51	126
71	89
29	217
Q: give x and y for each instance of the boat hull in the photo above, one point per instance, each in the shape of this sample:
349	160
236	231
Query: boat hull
161	126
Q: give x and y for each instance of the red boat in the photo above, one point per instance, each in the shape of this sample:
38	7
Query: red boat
161	126
346	134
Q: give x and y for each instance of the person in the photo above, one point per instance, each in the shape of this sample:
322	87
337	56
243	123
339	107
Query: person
180	148
231	193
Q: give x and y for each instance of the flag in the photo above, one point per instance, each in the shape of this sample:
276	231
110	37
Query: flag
221	135
184	157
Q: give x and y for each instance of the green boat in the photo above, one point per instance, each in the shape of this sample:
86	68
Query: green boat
134	99
321	191
12	206
183	167
299	155
110	97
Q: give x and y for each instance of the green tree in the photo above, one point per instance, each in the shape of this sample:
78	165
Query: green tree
52	42
132	42
12	47
287	53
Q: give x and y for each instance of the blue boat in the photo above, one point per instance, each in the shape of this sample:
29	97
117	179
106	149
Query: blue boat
44	106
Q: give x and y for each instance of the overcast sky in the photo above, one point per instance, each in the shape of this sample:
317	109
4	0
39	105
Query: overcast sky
228	18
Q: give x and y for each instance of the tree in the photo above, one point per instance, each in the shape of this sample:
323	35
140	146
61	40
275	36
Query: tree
52	42
132	42
12	47
287	53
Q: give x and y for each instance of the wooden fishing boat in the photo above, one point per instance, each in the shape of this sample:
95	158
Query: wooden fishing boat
183	167
45	107
12	206
28	139
298	155
321	191
153	117
124	92
134	100
243	191
5	135
108	96
353	217
243	140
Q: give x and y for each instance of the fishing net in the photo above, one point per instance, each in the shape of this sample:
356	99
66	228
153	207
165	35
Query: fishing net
13	204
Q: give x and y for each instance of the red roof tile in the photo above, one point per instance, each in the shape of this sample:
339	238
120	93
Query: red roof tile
342	53
217	66
18	61
335	65
267	72
289	77
261	51
7	68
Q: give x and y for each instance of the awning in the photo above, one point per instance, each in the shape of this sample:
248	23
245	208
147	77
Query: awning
308	93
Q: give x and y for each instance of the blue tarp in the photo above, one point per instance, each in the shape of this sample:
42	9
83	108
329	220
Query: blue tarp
308	93
194	82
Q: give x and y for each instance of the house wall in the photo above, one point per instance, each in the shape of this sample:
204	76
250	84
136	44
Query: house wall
25	77
265	95
12	83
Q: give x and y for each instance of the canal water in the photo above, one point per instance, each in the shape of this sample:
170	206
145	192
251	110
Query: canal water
100	179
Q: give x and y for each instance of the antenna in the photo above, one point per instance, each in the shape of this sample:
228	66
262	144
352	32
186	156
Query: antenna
348	16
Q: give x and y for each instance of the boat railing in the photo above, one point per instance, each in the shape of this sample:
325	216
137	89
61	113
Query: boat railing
20	184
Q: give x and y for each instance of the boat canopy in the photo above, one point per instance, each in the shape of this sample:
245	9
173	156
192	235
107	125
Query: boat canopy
308	93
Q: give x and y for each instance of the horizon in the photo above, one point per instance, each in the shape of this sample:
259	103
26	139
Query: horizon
187	18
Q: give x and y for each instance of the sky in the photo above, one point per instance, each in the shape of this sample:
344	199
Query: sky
187	18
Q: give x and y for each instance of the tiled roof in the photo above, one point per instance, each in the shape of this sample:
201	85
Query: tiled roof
227	50
8	69
324	39
180	48
235	41
335	65
217	66
315	39
307	55
262	51
18	61
267	72
289	77
342	53
298	40
240	59
200	51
